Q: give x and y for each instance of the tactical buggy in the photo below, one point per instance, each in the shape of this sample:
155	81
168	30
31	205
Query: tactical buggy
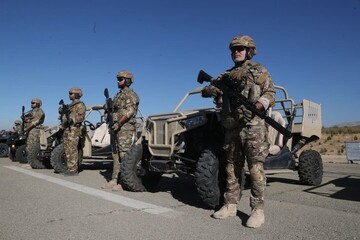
49	153
190	141
94	143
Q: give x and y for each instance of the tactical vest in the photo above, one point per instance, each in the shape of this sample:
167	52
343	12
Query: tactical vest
242	80
121	100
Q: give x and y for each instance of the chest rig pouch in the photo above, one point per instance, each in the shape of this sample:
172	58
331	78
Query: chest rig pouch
242	81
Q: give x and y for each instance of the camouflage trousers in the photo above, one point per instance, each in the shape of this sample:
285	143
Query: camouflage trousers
246	143
71	138
32	138
125	139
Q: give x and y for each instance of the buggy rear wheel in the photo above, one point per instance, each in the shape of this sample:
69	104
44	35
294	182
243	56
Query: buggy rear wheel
310	168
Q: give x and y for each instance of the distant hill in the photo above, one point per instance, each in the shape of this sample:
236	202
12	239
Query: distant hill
348	124
333	139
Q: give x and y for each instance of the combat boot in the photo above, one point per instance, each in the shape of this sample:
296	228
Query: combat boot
256	218
228	210
117	188
110	184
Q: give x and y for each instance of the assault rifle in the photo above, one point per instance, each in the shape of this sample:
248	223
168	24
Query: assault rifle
25	117
65	111
23	120
110	120
204	77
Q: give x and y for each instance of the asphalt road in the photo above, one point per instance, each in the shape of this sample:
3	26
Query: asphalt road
39	204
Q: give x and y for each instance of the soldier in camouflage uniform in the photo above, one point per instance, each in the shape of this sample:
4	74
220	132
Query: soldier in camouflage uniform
17	128
73	130
125	106
245	133
33	121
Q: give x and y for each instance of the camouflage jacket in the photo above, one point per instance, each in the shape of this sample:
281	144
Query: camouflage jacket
77	112
35	117
126	103
253	81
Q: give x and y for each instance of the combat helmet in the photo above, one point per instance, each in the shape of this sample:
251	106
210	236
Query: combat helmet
77	91
37	101
17	122
244	41
129	77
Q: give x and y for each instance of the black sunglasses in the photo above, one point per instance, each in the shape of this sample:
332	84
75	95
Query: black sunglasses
237	49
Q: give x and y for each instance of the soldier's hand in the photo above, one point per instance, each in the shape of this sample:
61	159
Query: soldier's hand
116	126
211	91
248	114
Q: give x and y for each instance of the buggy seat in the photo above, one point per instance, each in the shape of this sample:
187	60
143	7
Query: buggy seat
101	137
275	138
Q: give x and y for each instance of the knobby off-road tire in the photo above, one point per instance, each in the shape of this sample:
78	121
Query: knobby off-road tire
21	155
4	150
34	159
58	159
310	168
209	181
129	169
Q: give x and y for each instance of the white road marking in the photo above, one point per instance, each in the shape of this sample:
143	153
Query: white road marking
125	201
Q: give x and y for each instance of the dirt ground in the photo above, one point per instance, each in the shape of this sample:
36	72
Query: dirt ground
332	144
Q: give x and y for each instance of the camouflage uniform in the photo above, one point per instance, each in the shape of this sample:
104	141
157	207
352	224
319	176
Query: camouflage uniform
33	122
125	103
72	133
245	133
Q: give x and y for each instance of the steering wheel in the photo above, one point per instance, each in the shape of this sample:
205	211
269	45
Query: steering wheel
91	126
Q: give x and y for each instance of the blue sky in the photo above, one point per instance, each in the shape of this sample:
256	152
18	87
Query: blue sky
46	47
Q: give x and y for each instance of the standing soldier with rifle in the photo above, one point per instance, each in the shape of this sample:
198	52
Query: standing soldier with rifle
122	126
245	132
71	117
33	121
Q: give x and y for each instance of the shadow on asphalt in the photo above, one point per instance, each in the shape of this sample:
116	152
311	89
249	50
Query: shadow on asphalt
181	187
348	192
270	179
104	167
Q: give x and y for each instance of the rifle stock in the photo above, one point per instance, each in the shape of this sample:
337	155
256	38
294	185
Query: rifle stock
110	120
204	77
